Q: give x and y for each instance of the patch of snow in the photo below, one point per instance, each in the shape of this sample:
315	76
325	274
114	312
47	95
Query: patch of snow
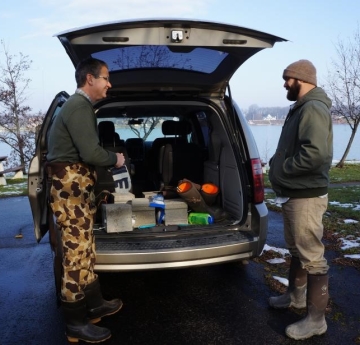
346	205
276	261
347	244
350	221
283	281
355	207
281	251
352	256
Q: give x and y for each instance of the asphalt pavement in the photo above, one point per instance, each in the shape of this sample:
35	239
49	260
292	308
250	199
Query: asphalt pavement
215	305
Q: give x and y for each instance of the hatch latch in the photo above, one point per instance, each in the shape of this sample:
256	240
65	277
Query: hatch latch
177	36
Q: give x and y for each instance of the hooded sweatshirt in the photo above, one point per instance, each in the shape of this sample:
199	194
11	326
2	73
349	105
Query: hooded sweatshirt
300	166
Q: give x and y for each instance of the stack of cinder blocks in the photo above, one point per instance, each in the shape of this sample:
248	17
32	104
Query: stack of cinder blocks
129	212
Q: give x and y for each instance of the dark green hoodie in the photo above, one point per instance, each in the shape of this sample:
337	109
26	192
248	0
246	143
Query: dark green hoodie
300	166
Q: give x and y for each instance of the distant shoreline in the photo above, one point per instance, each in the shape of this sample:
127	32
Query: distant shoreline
281	122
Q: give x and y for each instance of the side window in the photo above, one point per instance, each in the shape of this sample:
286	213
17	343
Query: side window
201	116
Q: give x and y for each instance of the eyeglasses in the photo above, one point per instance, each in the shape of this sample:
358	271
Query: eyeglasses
105	78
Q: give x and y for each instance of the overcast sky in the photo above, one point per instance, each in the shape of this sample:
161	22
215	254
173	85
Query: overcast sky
313	27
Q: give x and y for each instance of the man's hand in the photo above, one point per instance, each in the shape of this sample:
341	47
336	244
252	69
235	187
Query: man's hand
120	160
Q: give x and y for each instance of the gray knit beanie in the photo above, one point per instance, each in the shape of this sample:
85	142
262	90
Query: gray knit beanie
302	70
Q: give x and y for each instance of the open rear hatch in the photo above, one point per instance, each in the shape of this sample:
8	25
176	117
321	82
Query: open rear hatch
167	55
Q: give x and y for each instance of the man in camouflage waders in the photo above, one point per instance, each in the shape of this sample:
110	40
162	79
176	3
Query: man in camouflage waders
73	151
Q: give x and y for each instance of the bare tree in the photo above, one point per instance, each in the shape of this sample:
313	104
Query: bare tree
149	57
145	127
17	123
344	86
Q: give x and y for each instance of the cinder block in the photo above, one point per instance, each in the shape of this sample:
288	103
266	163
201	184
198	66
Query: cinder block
142	213
123	197
176	212
117	217
147	195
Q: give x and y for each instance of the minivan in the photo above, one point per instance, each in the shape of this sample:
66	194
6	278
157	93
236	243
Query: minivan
170	111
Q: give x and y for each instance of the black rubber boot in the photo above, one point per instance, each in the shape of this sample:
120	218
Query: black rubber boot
317	299
78	326
209	192
295	296
96	306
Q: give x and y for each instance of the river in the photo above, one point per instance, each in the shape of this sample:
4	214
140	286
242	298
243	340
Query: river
267	138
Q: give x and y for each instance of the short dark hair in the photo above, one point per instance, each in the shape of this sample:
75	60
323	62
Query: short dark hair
87	66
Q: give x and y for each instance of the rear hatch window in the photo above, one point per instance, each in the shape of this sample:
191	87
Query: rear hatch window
152	57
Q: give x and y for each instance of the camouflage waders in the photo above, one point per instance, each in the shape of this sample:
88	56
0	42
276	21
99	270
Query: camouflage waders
73	203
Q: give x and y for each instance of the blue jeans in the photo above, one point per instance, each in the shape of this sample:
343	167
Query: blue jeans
303	231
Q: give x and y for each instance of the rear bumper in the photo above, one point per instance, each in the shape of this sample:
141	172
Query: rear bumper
185	251
176	258
170	265
184	257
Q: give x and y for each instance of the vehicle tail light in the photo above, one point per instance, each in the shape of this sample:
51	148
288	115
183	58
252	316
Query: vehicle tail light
258	186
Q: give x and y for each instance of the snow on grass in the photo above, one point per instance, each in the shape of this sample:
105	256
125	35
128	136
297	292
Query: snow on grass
282	280
350	242
350	221
13	189
355	207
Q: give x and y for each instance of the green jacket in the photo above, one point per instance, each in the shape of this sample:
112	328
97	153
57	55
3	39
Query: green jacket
73	136
300	166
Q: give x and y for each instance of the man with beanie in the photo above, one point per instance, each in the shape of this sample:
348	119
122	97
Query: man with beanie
299	174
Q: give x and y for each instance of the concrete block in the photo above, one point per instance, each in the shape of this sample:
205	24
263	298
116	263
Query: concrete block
117	217
18	174
148	195
142	213
123	197
3	181
176	212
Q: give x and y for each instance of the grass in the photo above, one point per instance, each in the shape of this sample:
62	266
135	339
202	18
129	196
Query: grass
349	173
14	187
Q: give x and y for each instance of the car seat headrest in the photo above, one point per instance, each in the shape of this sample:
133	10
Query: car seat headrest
106	128
180	128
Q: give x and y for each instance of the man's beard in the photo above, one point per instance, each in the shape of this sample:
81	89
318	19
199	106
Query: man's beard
293	91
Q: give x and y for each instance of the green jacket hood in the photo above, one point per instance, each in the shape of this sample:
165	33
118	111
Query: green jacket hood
317	94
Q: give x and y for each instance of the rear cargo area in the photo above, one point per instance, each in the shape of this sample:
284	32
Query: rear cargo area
192	146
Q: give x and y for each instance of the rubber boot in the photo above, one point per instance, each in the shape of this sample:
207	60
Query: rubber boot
295	296
96	306
317	299
78	326
190	192
209	192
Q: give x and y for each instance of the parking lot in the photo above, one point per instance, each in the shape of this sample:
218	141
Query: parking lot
224	304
